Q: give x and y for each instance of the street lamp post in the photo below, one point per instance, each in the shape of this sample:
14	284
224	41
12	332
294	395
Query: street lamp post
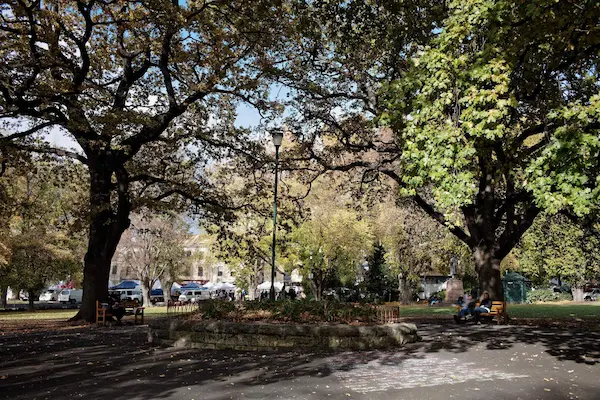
277	139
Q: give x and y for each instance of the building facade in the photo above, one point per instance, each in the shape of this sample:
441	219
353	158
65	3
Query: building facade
204	266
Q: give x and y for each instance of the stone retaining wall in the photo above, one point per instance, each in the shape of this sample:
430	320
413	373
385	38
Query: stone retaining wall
255	336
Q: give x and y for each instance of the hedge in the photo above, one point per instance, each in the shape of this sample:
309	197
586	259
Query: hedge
534	296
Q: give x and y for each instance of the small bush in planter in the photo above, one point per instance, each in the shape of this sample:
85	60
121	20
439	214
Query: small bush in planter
300	311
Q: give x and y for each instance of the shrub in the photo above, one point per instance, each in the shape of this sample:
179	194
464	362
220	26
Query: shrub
304	311
533	296
216	309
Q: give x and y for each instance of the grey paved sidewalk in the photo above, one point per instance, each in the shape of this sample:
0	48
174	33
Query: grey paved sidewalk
462	362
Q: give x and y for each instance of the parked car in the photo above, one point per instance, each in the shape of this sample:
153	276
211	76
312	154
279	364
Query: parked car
192	296
114	293
72	296
49	295
592	295
134	295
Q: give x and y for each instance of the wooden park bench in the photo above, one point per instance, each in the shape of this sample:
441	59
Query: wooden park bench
497	311
131	308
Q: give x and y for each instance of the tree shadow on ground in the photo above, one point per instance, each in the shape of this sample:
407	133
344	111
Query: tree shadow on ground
101	363
579	345
118	363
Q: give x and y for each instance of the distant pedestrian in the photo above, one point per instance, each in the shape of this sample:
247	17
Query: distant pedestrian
282	295
292	294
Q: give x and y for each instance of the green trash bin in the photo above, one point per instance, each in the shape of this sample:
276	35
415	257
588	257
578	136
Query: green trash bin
515	287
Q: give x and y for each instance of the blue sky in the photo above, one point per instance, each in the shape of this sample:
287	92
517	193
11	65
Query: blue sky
247	116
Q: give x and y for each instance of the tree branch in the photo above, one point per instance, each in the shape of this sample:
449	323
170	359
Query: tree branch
163	64
428	208
28	132
49	150
510	237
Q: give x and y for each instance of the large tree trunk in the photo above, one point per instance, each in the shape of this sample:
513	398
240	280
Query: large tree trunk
488	273
316	284
578	293
405	295
106	228
30	301
4	296
96	273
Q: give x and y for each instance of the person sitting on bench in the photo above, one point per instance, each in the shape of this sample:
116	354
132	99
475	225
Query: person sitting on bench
467	308
485	306
115	308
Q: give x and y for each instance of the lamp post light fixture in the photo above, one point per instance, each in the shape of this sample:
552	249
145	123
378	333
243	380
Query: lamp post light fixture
277	139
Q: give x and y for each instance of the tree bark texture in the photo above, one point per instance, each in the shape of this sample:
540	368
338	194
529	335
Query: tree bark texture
4	296
405	290
146	287
488	273
167	287
578	294
106	227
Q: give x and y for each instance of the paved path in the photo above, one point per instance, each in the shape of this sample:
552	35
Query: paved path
461	362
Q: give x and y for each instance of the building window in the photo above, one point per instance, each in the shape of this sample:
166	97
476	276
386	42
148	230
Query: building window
220	271
114	269
200	271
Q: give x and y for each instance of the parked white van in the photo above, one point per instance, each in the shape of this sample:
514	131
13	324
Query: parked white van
50	295
129	294
194	295
70	296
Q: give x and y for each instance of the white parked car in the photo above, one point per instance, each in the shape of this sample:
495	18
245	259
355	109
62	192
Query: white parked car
193	296
592	295
72	296
129	294
50	295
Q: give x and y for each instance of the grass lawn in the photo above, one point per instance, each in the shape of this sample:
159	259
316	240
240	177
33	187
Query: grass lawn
557	311
64	314
520	311
546	310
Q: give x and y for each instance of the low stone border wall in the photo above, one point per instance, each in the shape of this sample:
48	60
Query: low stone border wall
258	335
